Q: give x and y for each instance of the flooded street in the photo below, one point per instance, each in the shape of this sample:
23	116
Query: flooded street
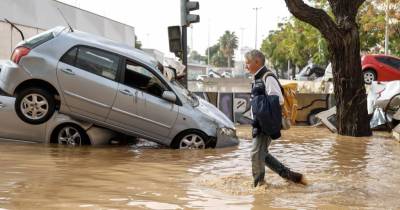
343	172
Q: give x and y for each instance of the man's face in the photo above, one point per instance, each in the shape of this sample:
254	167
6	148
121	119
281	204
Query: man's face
252	65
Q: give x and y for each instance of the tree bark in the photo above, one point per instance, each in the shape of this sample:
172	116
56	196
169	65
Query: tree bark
344	47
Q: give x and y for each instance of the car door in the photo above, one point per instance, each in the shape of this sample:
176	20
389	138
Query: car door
87	77
145	109
11	127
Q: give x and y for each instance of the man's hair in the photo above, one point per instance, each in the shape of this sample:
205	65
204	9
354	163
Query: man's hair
255	54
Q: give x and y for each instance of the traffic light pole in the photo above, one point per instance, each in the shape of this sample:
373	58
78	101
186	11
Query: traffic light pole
184	56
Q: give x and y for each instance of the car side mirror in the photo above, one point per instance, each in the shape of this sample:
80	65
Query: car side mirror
169	96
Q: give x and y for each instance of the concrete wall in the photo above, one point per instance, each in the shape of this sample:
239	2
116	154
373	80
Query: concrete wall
34	16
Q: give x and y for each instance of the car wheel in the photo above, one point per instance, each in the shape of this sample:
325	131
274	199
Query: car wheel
34	105
72	135
369	76
190	140
311	118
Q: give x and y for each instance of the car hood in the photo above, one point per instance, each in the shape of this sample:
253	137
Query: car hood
214	114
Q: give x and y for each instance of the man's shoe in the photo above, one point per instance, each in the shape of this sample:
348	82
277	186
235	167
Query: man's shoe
255	183
297	178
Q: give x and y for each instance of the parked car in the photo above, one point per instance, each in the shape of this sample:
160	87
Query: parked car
111	85
310	72
59	128
380	68
201	77
226	75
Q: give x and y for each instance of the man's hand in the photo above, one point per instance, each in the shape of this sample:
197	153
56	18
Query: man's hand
255	132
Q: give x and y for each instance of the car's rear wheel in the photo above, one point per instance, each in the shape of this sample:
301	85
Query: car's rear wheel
190	140
369	76
35	105
72	135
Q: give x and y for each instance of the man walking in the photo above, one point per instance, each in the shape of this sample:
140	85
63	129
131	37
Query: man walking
260	156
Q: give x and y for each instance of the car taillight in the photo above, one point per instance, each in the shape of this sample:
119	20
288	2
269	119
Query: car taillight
18	53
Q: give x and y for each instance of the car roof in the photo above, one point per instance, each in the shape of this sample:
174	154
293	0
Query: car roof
112	46
382	55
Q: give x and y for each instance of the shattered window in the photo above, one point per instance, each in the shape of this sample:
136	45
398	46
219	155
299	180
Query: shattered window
139	77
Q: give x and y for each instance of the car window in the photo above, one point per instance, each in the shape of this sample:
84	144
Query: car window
389	61
98	62
139	77
69	57
395	63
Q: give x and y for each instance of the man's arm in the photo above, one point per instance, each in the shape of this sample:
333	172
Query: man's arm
272	88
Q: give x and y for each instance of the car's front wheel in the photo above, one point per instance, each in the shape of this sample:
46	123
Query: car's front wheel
35	105
190	140
369	76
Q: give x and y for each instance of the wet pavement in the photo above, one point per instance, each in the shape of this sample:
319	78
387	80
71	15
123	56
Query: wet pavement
344	173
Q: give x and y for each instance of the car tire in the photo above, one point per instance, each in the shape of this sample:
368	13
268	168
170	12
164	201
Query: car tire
311	117
190	140
369	76
71	135
35	105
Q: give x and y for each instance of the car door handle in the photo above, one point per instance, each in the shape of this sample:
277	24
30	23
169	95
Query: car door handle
68	71
126	92
2	105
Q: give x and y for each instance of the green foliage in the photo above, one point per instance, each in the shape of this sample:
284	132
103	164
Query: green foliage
300	42
138	44
196	57
222	54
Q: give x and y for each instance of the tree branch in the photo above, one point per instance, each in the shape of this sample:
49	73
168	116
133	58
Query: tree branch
358	3
315	17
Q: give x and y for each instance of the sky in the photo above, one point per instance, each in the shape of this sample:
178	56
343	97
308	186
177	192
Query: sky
151	19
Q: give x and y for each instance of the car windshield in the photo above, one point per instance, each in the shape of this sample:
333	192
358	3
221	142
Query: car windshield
185	93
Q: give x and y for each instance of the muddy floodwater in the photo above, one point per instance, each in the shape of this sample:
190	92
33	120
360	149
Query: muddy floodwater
344	173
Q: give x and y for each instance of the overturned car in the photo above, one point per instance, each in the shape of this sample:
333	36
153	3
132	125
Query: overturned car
109	85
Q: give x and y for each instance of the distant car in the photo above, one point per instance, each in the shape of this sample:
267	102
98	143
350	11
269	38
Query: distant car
310	72
201	77
226	75
112	85
60	129
380	68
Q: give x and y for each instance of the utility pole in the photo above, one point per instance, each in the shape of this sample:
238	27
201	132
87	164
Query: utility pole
187	19
191	39
208	48
387	28
256	9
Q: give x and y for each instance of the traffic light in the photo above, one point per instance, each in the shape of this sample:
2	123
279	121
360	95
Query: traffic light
186	17
175	42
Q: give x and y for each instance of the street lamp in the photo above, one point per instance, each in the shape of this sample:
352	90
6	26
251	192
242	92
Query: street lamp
256	9
387	28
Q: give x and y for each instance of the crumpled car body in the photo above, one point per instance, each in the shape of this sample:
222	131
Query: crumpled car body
12	128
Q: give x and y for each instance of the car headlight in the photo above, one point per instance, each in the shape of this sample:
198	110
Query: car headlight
227	131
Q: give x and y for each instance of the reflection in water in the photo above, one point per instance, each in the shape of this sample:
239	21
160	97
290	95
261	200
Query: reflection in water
343	171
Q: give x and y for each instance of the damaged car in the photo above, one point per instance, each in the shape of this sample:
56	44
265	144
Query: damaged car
111	85
59	129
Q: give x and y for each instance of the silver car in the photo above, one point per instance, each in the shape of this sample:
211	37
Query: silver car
59	128
111	85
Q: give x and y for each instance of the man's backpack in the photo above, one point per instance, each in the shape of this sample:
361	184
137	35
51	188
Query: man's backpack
289	108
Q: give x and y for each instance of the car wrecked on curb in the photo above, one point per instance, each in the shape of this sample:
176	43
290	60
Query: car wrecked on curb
110	85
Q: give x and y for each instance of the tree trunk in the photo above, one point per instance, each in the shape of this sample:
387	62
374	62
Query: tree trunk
344	47
229	61
350	93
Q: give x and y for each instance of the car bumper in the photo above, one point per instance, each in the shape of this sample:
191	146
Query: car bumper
10	76
226	139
